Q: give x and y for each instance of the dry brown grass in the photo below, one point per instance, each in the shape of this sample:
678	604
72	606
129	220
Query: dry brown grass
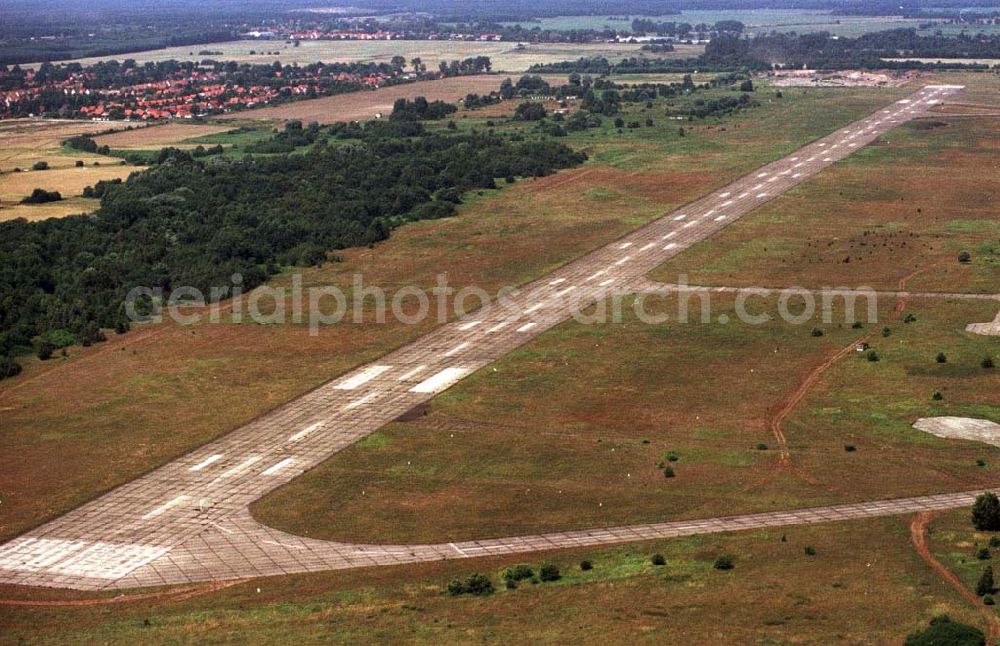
171	134
356	106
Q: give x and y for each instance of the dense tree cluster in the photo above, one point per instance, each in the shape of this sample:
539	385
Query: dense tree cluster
420	109
196	223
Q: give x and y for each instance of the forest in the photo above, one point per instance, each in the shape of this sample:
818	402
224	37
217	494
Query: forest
196	222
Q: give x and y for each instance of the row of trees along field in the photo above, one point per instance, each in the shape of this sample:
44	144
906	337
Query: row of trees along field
197	222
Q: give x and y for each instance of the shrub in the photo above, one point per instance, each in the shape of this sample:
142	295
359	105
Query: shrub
761	446
873	356
964	256
909	318
658	559
937	396
41	196
810	551
672	456
982	463
987	363
8	367
45	350
40	165
668	472
850	448
994	540
986	512
476	584
886	331
983	553
988	600
518	573
79	163
985	583
943	630
619	123
549	572
586	565
723	562
941	358
856	325
816	332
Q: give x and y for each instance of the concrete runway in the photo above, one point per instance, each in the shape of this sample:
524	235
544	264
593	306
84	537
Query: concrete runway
188	520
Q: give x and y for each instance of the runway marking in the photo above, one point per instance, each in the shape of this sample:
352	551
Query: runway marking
797	175
277	467
794	159
533	308
440	381
357	402
827	159
606	282
458	348
680	217
362	377
562	280
762	195
207	461
720	218
239	467
670	246
670	235
526	327
625	245
623	260
727	203
742	195
306	431
756	188
469	325
565	291
33	554
596	274
648	246
761	175
726	194
499	326
458	549
167	506
690	224
411	373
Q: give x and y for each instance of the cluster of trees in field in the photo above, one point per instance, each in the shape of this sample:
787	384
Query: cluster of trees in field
197	222
823	51
420	109
647	27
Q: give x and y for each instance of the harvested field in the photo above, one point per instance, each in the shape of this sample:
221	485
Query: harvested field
505	56
23	142
356	106
171	134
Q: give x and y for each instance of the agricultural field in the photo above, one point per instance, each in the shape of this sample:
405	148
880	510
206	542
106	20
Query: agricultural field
25	142
179	135
776	593
506	57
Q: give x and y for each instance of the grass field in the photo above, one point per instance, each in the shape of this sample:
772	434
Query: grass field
23	142
505	56
100	408
766	20
864	584
156	137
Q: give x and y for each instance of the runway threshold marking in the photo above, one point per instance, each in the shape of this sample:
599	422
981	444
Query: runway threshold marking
207	461
362	377
440	381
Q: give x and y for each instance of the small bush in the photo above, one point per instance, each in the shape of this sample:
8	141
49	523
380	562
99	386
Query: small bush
987	363
672	456
45	350
988	600
723	562
982	463
79	163
873	356
816	332
937	396
476	584
9	367
668	472
886	331
518	573
586	566
986	512
856	325
945	631
985	583
658	559
850	448
761	446
41	196
941	358
983	553
40	165
909	318
994	540
810	551
964	256
549	572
